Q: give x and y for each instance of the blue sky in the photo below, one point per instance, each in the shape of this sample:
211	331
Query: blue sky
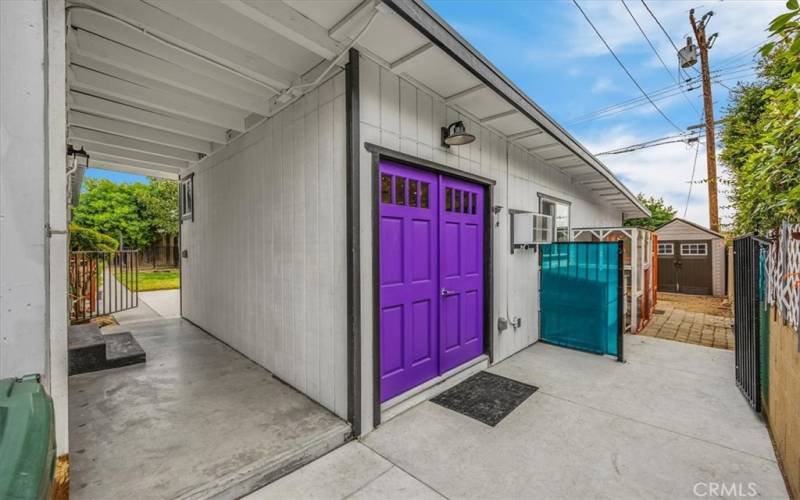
547	48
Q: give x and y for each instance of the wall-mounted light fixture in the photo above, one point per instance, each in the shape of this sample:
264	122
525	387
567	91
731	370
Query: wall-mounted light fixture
456	135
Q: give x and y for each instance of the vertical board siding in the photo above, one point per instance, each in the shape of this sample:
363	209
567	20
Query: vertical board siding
266	265
398	115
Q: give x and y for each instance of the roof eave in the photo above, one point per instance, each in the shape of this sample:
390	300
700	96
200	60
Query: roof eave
428	23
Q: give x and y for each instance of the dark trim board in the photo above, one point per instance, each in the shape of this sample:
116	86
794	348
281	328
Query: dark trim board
353	211
379	153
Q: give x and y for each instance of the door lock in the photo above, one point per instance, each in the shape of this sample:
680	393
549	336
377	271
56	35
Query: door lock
445	292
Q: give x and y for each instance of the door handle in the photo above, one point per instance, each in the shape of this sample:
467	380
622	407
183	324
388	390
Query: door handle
445	292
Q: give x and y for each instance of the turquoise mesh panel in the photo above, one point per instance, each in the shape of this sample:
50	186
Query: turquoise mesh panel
579	297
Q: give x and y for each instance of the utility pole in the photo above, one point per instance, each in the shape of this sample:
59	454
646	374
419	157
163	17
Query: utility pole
704	43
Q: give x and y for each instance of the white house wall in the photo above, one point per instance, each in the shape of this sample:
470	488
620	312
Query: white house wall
266	262
398	115
23	341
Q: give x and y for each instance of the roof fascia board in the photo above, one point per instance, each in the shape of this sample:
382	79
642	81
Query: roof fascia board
694	225
428	23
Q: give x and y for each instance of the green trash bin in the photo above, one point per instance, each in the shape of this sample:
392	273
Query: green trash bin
27	439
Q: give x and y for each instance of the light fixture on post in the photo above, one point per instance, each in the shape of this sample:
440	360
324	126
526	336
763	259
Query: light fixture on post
457	137
77	163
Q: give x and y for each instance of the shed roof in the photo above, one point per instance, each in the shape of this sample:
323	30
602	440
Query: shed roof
690	223
155	85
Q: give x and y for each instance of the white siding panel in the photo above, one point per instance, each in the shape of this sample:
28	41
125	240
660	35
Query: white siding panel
519	177
266	265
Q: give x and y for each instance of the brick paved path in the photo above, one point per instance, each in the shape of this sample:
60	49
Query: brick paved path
692	327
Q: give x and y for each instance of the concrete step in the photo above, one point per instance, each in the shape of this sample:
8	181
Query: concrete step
91	351
87	348
123	350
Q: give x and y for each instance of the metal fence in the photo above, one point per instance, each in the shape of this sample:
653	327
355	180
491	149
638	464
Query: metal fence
749	301
159	256
102	283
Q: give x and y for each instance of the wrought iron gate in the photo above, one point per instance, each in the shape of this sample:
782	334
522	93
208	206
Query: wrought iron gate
748	304
102	283
580	295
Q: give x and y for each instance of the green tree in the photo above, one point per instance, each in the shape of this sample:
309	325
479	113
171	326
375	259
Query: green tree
136	213
761	134
660	213
159	203
82	238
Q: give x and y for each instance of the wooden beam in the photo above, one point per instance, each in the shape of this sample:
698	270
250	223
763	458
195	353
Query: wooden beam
504	114
198	41
341	29
125	112
104	85
124	34
130	169
141	132
95	52
96	137
397	66
142	159
290	24
464	93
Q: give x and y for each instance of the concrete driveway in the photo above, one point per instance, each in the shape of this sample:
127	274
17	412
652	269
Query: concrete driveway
669	423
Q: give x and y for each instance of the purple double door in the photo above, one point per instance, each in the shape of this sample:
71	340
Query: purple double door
431	275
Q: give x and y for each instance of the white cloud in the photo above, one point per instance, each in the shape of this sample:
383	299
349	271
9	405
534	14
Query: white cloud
603	85
740	25
662	171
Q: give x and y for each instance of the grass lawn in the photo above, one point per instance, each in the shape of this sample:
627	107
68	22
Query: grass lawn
165	279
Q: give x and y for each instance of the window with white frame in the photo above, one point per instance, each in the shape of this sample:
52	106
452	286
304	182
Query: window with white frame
186	198
559	210
694	249
666	249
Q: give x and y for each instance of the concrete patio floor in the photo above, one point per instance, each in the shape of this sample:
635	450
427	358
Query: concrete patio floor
666	424
197	420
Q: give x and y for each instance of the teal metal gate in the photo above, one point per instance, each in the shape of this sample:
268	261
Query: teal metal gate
580	294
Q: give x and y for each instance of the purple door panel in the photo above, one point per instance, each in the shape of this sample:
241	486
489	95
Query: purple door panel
461	272
409	300
431	275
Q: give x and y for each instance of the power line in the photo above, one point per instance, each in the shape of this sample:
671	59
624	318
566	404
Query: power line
657	54
658	22
624	68
691	182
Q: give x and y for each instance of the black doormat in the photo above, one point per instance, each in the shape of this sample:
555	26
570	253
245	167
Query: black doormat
486	397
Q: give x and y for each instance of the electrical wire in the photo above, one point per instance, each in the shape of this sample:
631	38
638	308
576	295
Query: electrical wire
658	22
691	182
625	68
652	47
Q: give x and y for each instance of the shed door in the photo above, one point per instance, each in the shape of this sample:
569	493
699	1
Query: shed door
668	267
695	264
431	276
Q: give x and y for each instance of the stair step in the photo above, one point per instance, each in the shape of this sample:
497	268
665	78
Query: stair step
123	350
87	348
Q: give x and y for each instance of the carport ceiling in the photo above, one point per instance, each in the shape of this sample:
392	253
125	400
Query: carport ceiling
156	85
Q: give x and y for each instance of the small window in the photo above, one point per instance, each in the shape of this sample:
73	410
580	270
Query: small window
474	203
400	190
666	249
424	197
412	192
560	212
466	202
186	195
386	188
448	199
694	249
458	201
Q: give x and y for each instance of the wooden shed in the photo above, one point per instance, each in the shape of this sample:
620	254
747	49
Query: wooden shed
691	259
